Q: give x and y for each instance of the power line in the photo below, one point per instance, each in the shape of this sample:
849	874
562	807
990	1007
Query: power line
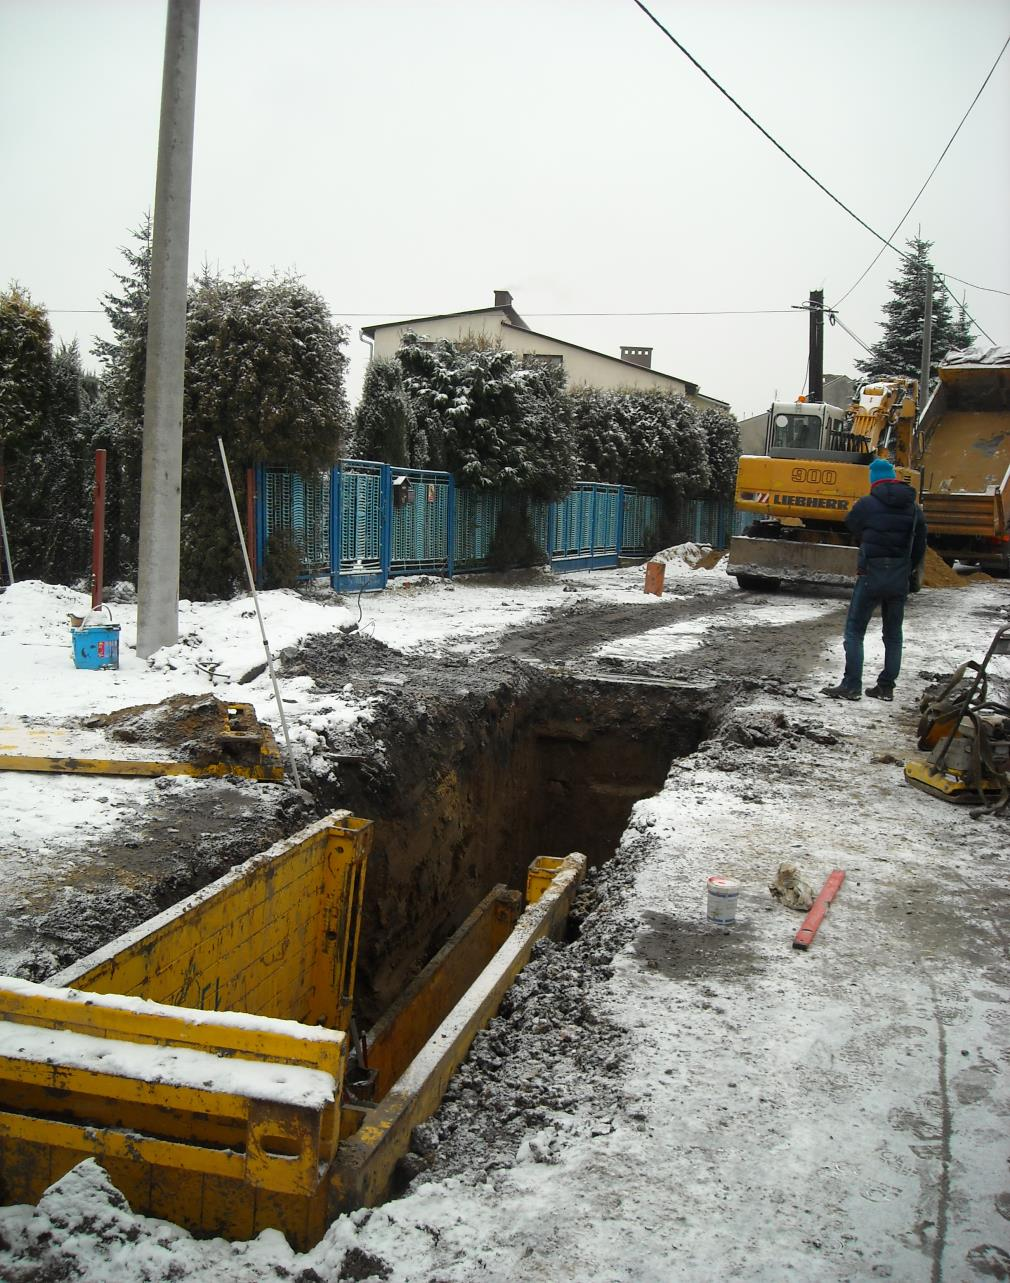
757	125
908	211
757	311
835	319
775	143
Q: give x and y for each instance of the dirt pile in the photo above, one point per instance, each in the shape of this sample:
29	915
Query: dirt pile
710	559
937	574
194	727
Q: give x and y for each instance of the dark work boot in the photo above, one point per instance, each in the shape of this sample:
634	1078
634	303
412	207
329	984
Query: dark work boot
840	692
880	692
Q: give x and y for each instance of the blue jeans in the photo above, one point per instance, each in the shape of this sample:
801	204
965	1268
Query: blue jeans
861	608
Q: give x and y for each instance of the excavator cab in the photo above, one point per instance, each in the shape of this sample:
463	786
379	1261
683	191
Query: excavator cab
800	430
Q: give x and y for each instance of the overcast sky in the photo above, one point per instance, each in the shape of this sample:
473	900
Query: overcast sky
411	156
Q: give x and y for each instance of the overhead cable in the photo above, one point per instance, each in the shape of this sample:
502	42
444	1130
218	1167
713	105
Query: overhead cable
989	289
775	143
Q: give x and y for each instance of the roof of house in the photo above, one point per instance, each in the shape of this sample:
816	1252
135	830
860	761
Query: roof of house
512	320
511	315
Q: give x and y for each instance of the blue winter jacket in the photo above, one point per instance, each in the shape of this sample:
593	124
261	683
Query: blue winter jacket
884	521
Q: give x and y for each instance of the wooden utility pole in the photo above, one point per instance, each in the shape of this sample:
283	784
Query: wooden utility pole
815	383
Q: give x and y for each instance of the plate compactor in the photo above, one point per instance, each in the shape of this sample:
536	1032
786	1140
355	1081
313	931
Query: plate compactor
967	735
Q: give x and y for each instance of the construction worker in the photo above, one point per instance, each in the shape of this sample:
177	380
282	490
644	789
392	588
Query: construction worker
892	544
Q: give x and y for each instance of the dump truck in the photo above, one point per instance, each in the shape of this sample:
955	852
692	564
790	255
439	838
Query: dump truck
815	467
964	452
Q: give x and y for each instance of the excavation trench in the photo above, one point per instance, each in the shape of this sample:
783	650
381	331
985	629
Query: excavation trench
466	792
446	792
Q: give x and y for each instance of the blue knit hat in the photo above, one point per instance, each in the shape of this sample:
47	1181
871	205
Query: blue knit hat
882	470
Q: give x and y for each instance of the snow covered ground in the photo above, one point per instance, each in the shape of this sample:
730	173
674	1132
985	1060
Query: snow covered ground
841	1113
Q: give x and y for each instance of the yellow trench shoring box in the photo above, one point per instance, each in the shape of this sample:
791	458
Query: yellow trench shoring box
202	1057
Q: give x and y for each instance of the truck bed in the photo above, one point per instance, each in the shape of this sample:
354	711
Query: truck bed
969	452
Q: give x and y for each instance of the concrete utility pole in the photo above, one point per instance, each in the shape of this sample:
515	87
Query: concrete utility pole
161	474
815	389
927	342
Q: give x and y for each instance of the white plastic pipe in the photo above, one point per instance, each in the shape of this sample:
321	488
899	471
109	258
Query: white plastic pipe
7	547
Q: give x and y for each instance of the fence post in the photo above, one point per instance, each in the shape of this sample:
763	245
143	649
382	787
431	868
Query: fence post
98	533
336	525
250	521
620	521
450	509
386	517
260	492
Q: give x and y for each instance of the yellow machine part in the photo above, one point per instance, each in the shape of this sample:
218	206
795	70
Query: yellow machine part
813	490
950	785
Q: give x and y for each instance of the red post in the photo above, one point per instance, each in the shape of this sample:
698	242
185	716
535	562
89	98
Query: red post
98	533
250	517
805	936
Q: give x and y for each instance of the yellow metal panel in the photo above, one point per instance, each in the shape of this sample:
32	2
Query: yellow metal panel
364	1164
283	1139
540	875
39	1006
227	1209
80	1141
138	769
300	1218
205	952
404	1029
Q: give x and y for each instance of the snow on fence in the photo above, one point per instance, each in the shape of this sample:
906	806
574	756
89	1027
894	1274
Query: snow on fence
365	522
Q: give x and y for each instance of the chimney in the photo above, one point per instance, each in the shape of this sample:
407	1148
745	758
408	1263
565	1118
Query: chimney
638	356
502	298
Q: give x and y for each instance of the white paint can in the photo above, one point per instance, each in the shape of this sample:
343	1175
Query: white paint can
722	897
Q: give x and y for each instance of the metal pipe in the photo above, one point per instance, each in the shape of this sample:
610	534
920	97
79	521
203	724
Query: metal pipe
259	614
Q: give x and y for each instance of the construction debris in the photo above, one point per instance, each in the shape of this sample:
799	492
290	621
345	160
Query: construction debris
790	890
206	736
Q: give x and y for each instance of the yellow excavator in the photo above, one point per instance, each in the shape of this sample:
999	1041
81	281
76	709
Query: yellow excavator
815	467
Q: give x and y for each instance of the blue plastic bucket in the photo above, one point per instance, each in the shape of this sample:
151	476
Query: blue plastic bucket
96	645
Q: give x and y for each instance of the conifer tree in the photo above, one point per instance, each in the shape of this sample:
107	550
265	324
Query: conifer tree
899	350
265	372
491	422
722	440
641	437
384	420
26	358
117	419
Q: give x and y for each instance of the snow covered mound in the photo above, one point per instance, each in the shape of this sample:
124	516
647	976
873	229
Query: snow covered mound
685	554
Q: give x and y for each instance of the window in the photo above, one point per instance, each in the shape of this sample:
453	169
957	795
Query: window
796	432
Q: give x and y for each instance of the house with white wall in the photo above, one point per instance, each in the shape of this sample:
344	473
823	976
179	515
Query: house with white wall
502	324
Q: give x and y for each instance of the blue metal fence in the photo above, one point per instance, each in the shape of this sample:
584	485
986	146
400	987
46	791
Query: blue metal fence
710	521
365	522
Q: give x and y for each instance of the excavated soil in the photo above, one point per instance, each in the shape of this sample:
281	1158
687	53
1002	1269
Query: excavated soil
470	770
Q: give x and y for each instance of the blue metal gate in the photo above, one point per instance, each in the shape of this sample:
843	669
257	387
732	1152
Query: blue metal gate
586	528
